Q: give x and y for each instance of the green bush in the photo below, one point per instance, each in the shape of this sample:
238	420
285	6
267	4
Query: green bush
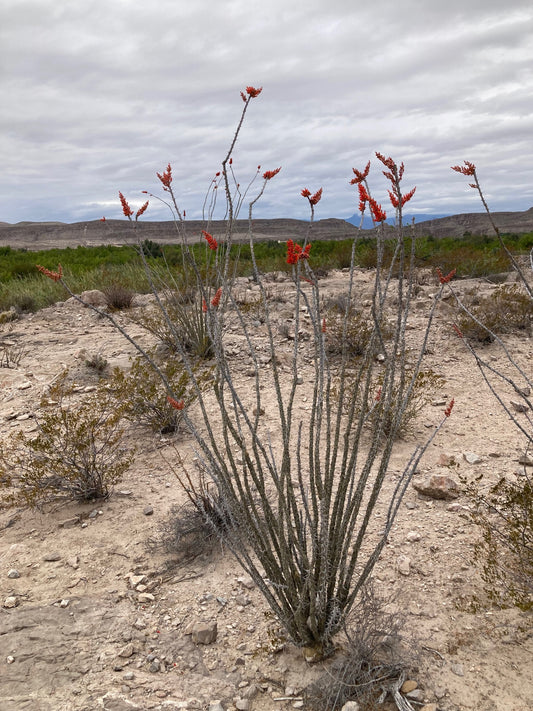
77	453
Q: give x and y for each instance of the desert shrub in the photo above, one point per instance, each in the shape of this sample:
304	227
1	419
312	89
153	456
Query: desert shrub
77	453
504	554
96	362
196	527
375	657
145	396
183	326
398	419
11	354
349	334
508	308
118	296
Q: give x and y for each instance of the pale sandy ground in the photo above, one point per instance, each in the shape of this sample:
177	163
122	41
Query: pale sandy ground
66	657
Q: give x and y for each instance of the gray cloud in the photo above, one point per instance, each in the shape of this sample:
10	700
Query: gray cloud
99	96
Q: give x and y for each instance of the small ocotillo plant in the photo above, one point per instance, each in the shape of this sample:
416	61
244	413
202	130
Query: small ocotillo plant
504	511
299	490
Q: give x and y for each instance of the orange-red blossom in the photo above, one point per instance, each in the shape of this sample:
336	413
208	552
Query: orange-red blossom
211	241
54	276
448	410
445	279
295	252
176	404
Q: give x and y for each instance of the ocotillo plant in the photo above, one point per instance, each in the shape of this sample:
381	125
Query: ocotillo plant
297	490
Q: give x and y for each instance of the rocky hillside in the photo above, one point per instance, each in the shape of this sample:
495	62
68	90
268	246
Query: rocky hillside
45	235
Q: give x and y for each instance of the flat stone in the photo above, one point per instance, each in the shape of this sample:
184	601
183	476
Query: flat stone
52	557
437	486
472	458
351	706
11	601
457	669
525	460
148	510
13	573
69	522
519	406
408	685
145	597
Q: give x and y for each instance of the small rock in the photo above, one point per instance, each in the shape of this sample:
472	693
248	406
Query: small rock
73	562
408	685
127	651
64	603
403	565
519	406
413	536
457	669
145	597
247	582
243	705
216	706
13	573
155	666
10	659
525	460
11	601
350	706
51	557
135	580
128	676
429	707
438	486
204	632
24	386
415	695
69	522
148	510
139	624
472	458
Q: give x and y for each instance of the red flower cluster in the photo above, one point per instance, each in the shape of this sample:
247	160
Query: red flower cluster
313	199
211	241
126	209
295	252
387	162
176	404
467	169
378	214
269	174
215	301
141	210
323	325
363	197
102	219
397	198
448	410
54	276
445	279
166	177
360	176
252	92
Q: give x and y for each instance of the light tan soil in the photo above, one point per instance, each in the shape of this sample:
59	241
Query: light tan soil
59	656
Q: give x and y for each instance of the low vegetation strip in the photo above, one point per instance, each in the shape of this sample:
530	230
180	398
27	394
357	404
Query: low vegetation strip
24	289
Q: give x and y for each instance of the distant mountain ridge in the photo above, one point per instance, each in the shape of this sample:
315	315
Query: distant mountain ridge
47	235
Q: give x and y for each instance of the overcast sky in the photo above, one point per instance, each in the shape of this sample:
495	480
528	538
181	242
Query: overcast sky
99	95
